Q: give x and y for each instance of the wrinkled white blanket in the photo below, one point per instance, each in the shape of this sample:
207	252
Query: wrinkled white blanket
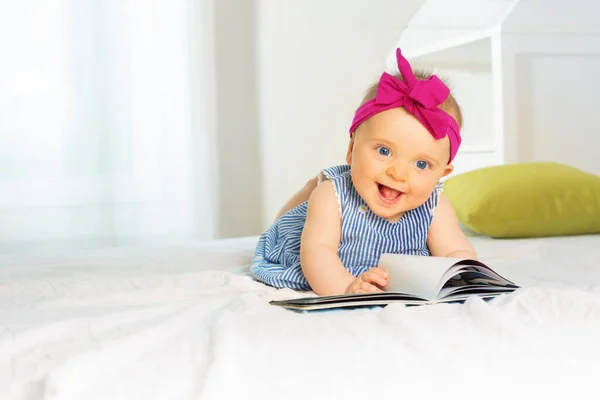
186	323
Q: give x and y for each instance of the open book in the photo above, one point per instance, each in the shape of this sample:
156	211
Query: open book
417	280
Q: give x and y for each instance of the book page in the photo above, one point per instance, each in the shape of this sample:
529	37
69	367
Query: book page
417	275
452	292
471	265
347	300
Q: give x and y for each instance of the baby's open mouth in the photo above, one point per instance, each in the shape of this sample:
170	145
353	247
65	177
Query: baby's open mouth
388	193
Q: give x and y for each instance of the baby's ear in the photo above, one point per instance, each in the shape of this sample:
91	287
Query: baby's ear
448	170
349	153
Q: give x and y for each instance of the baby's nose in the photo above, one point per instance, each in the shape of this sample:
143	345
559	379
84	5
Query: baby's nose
398	172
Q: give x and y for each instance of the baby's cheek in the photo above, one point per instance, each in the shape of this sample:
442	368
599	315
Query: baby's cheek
421	193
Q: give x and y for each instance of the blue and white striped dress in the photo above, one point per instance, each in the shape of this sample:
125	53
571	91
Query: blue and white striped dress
364	237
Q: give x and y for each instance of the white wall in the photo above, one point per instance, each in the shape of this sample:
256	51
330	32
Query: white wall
316	60
559	119
237	138
289	75
550	99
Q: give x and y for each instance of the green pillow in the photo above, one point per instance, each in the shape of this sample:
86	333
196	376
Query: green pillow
526	200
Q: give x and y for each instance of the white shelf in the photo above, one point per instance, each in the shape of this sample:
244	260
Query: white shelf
472	48
499	57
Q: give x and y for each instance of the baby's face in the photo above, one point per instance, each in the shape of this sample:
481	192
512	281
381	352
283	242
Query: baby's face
396	163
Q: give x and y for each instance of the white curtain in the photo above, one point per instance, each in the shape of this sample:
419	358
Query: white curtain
105	129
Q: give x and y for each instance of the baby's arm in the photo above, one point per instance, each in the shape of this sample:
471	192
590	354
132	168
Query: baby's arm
321	265
445	238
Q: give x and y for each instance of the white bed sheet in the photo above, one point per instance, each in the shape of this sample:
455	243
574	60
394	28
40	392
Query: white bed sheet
187	323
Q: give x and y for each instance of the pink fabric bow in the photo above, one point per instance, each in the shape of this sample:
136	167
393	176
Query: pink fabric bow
421	98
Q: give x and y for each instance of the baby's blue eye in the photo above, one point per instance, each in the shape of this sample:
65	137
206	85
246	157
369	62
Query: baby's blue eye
421	164
384	151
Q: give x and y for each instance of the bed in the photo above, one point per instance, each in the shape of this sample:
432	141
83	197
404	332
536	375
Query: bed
187	322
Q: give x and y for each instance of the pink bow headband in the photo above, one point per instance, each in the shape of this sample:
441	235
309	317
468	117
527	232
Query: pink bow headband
421	98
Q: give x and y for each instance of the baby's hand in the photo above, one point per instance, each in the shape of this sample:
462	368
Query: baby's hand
368	282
